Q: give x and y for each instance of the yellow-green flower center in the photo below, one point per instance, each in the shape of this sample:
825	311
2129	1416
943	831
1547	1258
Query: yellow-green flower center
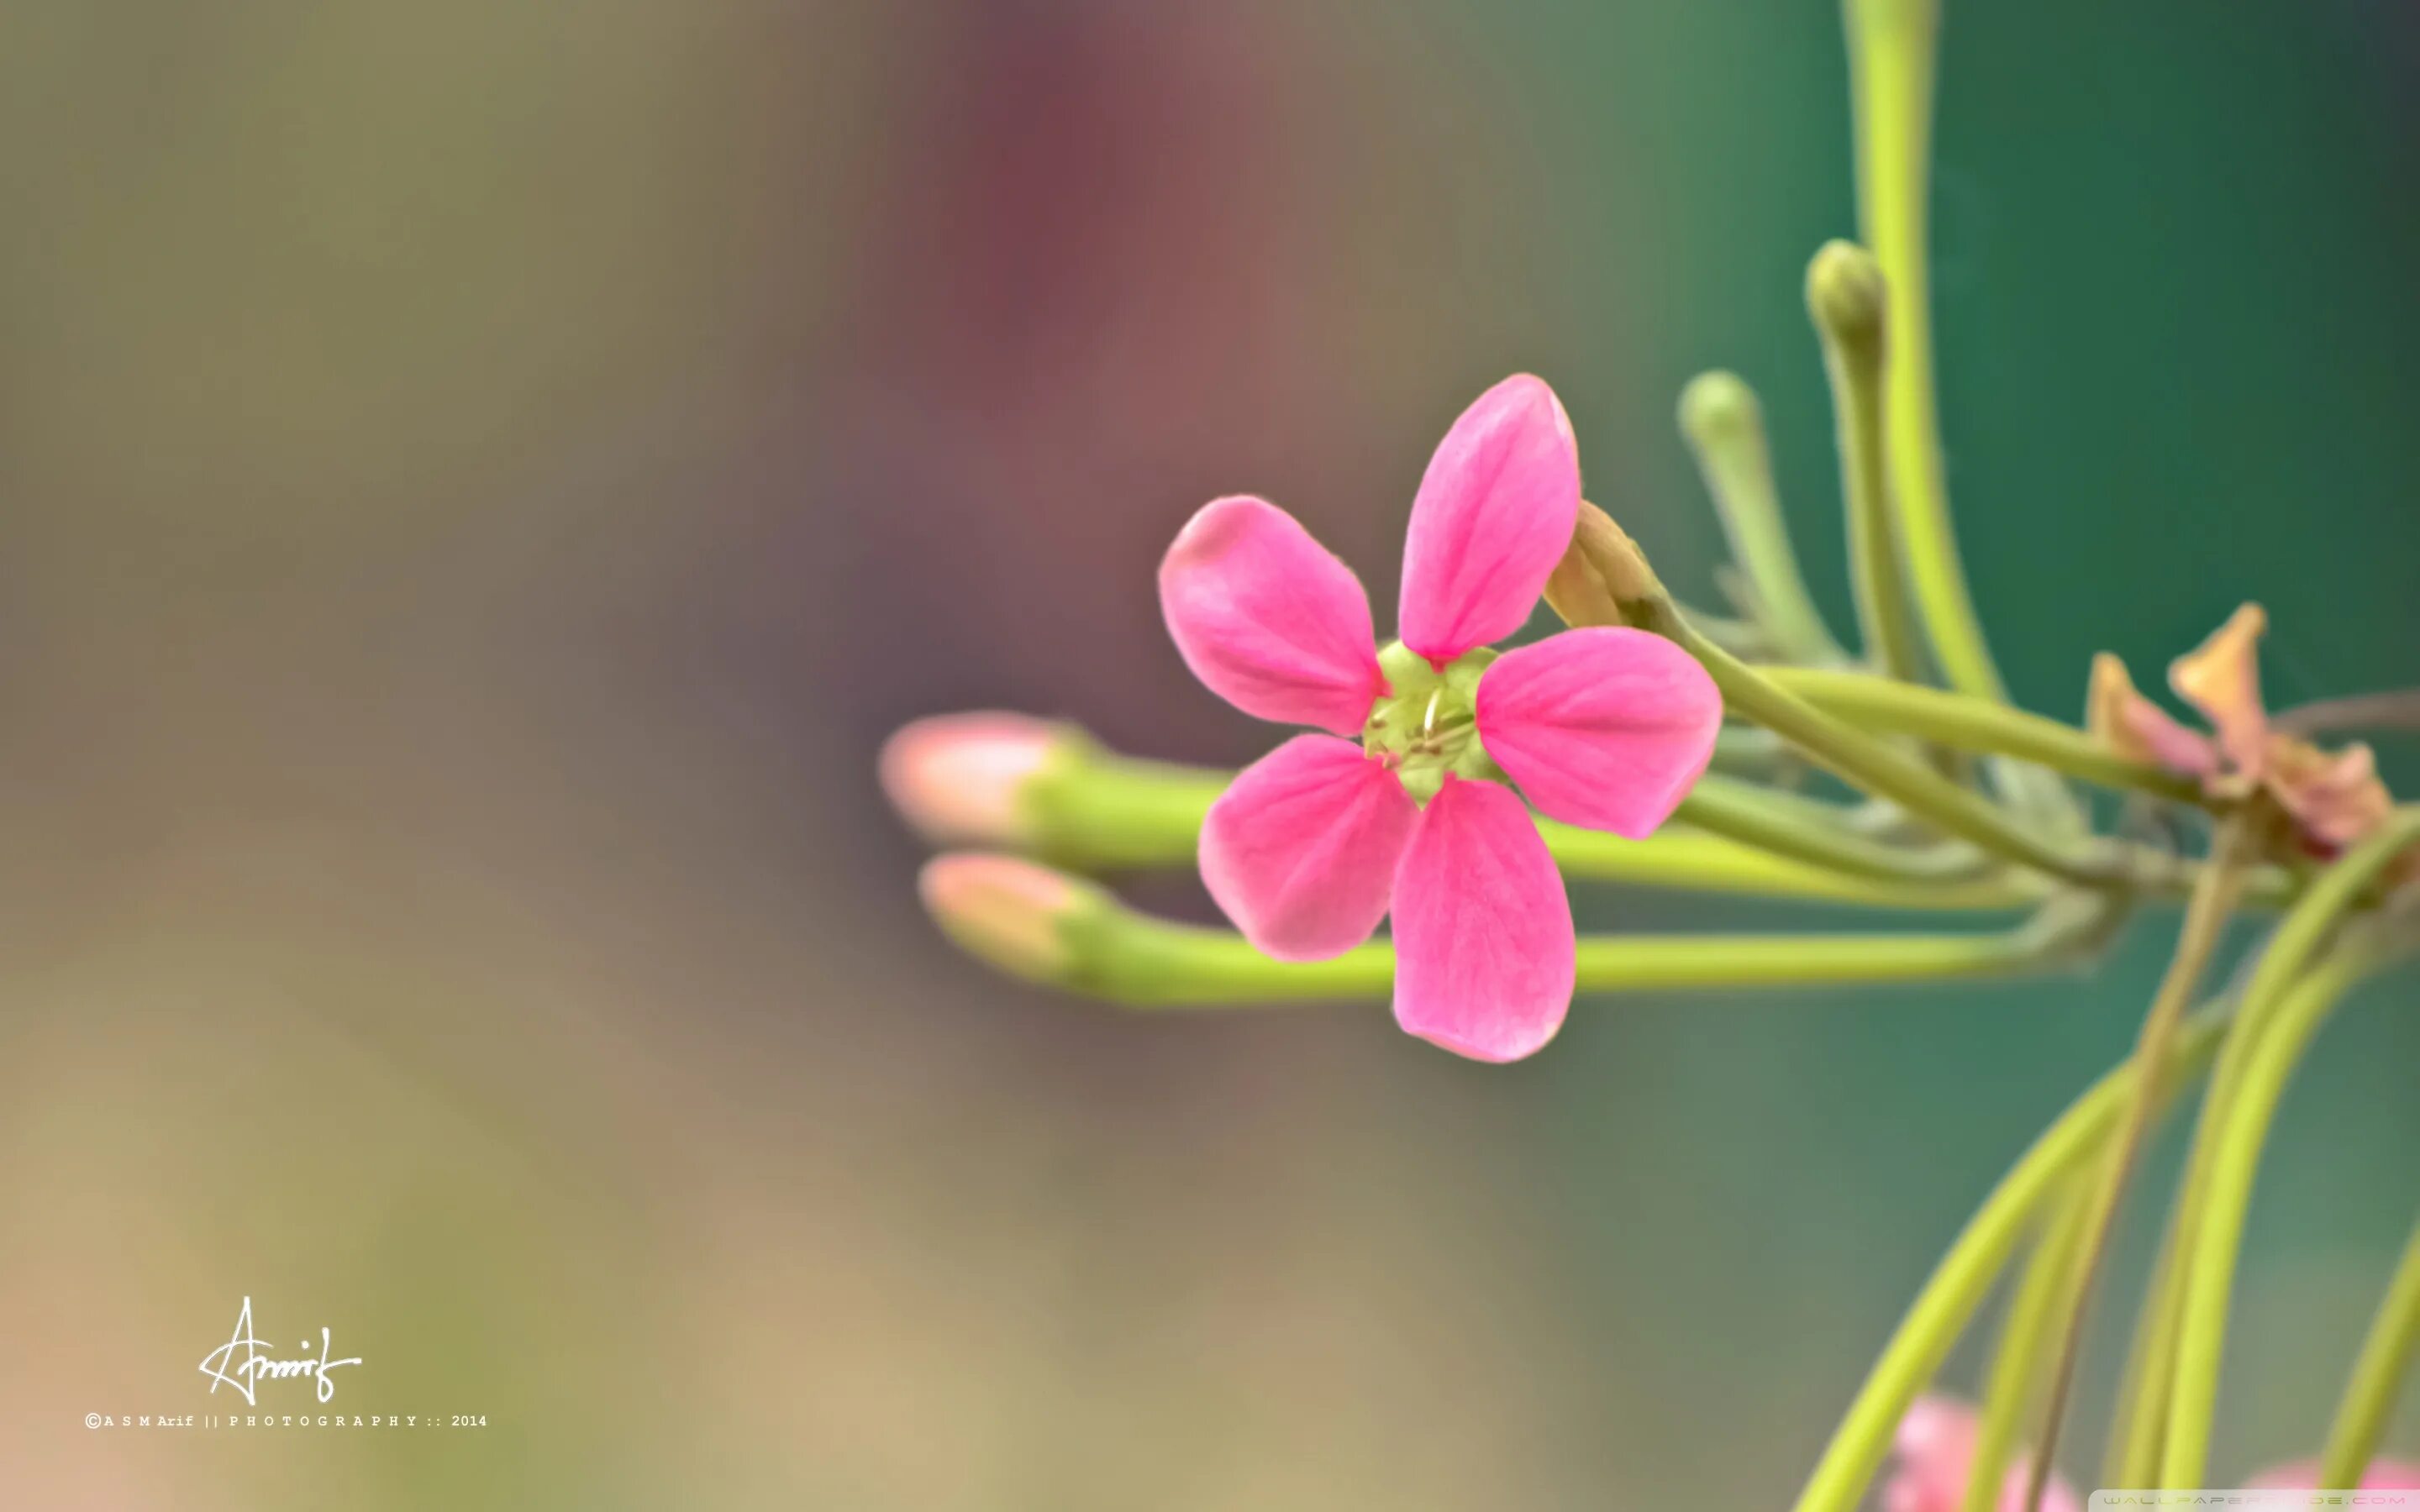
1426	724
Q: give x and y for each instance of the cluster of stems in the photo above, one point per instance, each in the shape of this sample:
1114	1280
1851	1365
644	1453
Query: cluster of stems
1949	802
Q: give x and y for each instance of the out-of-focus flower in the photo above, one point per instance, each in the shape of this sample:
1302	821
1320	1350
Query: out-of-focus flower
2333	798
1934	1453
1313	844
2303	1475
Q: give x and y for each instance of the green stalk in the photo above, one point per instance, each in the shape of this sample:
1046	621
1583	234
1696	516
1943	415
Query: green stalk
1111	950
1809	830
2205	917
1089	810
1865	762
1725	428
2133	1455
2204	1258
2386	1355
1845	295
2033	1311
1680	858
1965	1273
1891	58
2210	1269
1967	723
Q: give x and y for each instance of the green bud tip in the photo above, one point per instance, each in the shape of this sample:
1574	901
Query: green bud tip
1719	410
1846	296
1616	560
961	778
1009	912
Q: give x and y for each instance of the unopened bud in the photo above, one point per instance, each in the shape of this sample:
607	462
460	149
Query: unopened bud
1617	563
963	779
1576	594
1846	295
1014	914
1718	410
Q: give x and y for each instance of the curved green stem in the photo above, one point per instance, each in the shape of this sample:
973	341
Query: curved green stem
1859	758
2133	1455
1724	427
2210	1269
2157	1406
1958	1283
2206	915
1968	723
1845	295
1891	56
2029	1328
2386	1356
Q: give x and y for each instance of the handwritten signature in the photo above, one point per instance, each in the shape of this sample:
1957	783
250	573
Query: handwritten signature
254	1366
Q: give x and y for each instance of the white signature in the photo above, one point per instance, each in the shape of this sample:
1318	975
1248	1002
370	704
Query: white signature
253	1367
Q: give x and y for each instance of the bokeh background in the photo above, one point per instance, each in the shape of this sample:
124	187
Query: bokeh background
478	483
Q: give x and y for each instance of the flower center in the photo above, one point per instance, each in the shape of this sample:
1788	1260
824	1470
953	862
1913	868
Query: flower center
1426	725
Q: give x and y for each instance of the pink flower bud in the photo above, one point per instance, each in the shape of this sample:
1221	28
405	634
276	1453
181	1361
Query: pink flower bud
1008	912
960	779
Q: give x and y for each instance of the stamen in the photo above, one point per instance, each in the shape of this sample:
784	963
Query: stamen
1428	721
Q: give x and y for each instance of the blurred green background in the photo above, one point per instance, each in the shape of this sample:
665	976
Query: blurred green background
478	483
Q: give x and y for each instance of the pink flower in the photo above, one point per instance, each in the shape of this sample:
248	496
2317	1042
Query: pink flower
1935	1450
2303	1475
1935	1453
1314	843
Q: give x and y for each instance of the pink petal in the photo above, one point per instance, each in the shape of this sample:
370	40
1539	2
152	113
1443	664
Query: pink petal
1301	848
1605	727
2221	677
1268	618
2303	1475
1494	514
1484	957
1934	1453
2138	729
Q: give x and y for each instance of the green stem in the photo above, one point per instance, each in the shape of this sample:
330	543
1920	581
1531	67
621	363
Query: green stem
1958	1283
1724	427
2386	1356
1891	56
2198	1278
1115	953
2205	917
1967	723
1093	811
2210	1269
1845	295
1809	830
1680	858
2134	1456
2033	1310
1859	758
